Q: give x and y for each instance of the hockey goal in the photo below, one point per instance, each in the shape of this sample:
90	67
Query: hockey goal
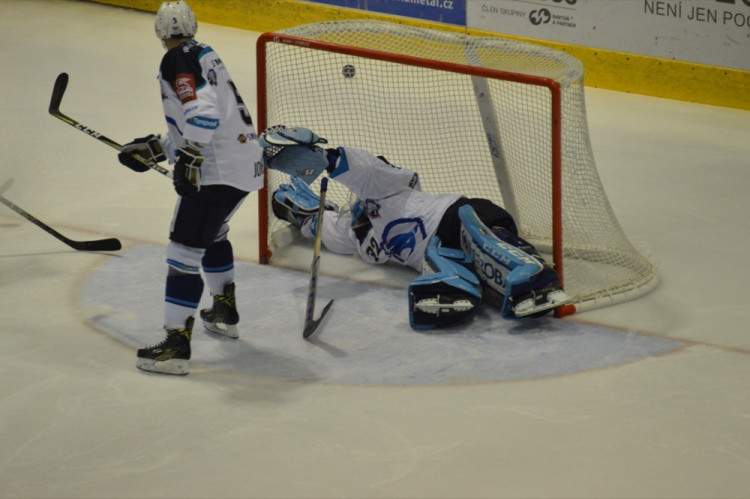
480	116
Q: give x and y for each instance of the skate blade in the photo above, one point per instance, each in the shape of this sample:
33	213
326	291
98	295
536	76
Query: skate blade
527	307
228	330
171	366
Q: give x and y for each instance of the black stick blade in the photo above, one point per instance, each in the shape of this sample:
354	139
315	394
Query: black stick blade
61	83
311	326
110	244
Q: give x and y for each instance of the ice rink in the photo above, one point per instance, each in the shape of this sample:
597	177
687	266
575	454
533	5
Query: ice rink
647	399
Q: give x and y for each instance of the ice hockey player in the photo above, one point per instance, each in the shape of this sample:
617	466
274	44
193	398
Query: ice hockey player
214	147
462	246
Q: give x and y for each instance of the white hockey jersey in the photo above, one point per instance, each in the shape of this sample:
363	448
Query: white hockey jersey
201	103
403	218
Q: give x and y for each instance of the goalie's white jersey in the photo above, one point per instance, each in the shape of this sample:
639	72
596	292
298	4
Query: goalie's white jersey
201	104
403	218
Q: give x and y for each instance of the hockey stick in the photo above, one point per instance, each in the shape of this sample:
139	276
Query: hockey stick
310	323
61	83
110	244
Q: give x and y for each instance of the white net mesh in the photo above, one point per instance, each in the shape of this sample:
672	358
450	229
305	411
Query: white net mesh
419	114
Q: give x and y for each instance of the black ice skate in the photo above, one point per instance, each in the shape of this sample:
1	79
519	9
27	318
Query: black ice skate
171	356
222	317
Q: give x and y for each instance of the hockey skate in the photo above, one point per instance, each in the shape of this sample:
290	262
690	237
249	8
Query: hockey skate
222	317
538	302
172	355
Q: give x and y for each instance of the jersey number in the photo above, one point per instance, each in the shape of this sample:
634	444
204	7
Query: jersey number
241	105
373	250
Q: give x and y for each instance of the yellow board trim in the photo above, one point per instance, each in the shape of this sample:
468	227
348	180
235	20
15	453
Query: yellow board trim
605	69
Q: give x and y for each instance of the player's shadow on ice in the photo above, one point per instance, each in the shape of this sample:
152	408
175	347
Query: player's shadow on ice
317	337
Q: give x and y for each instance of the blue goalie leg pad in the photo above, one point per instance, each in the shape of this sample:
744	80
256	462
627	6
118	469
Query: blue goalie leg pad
517	241
500	265
448	293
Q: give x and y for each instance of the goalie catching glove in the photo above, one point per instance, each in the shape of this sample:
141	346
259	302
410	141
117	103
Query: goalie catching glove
143	150
294	152
187	169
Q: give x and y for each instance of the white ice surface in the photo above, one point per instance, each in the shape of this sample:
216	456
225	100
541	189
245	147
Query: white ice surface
364	339
78	420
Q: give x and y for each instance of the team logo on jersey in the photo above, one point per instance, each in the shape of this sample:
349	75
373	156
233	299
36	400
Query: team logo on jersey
203	122
184	87
242	138
211	76
401	237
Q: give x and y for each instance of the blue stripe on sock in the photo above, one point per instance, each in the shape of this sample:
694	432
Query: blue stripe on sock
181	266
181	302
219	269
184	290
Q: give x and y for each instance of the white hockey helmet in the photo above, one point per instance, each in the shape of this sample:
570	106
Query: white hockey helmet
175	20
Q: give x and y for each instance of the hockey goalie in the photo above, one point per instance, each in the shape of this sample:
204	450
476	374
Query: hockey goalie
464	248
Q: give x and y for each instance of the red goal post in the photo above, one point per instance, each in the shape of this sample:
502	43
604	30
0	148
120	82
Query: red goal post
483	117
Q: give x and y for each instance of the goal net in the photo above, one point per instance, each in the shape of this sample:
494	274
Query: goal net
479	116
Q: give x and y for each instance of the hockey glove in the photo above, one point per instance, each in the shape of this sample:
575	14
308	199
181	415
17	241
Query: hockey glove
146	148
187	171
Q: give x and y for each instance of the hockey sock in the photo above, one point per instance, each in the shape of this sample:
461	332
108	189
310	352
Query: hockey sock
218	266
182	297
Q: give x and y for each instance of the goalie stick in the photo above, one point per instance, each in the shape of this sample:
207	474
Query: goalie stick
310	323
61	83
110	244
